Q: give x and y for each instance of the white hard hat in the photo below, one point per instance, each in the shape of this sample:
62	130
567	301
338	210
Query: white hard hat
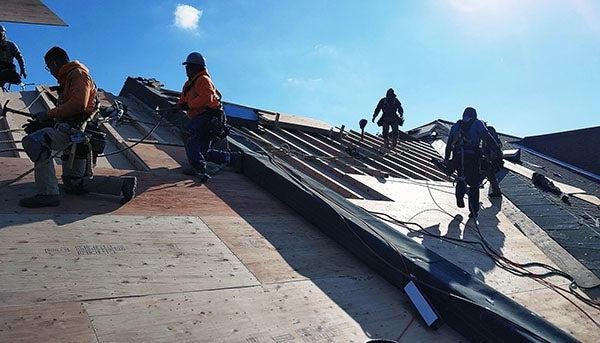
195	58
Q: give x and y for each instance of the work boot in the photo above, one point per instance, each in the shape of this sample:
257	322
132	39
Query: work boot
128	188
495	195
473	215
460	202
236	161
192	171
203	177
40	200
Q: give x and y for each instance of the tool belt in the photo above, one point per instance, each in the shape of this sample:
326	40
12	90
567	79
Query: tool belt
390	120
97	143
217	124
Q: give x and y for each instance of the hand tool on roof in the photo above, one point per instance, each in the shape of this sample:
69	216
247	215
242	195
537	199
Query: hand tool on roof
362	124
4	109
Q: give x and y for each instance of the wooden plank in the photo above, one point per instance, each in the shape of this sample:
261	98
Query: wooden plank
366	156
331	168
406	158
354	162
63	322
328	310
592	199
416	154
402	166
409	142
311	171
337	158
528	173
55	258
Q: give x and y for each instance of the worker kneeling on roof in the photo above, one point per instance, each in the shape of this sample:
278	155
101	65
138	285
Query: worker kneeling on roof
464	144
57	130
202	102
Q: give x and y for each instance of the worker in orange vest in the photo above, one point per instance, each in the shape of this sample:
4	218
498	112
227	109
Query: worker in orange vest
52	131
202	102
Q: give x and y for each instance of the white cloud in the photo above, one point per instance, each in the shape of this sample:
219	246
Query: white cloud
187	17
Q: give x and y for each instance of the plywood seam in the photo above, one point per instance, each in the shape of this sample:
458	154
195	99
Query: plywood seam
232	252
91	321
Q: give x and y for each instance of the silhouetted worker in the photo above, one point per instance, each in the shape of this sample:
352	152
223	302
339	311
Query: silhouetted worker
8	53
493	165
393	115
464	143
52	131
202	102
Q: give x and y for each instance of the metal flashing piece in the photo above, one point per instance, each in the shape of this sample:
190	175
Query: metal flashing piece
421	304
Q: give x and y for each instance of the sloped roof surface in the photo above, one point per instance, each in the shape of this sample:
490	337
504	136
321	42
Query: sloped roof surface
226	259
28	11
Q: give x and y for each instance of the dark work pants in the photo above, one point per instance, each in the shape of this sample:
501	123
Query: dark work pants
9	75
471	181
386	123
198	145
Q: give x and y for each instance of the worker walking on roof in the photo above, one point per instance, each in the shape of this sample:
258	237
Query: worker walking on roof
54	131
464	144
393	115
202	102
8	53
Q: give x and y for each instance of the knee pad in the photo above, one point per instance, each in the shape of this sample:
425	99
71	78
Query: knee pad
37	146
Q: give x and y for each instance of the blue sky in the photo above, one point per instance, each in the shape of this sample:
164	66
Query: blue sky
528	66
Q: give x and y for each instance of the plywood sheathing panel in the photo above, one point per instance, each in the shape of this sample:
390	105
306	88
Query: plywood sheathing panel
76	257
232	207
157	194
290	312
284	248
412	202
48	323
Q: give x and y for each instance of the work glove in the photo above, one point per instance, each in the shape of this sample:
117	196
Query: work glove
23	73
41	116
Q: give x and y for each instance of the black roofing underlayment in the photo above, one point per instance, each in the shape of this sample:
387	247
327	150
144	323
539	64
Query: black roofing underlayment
574	235
476	310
